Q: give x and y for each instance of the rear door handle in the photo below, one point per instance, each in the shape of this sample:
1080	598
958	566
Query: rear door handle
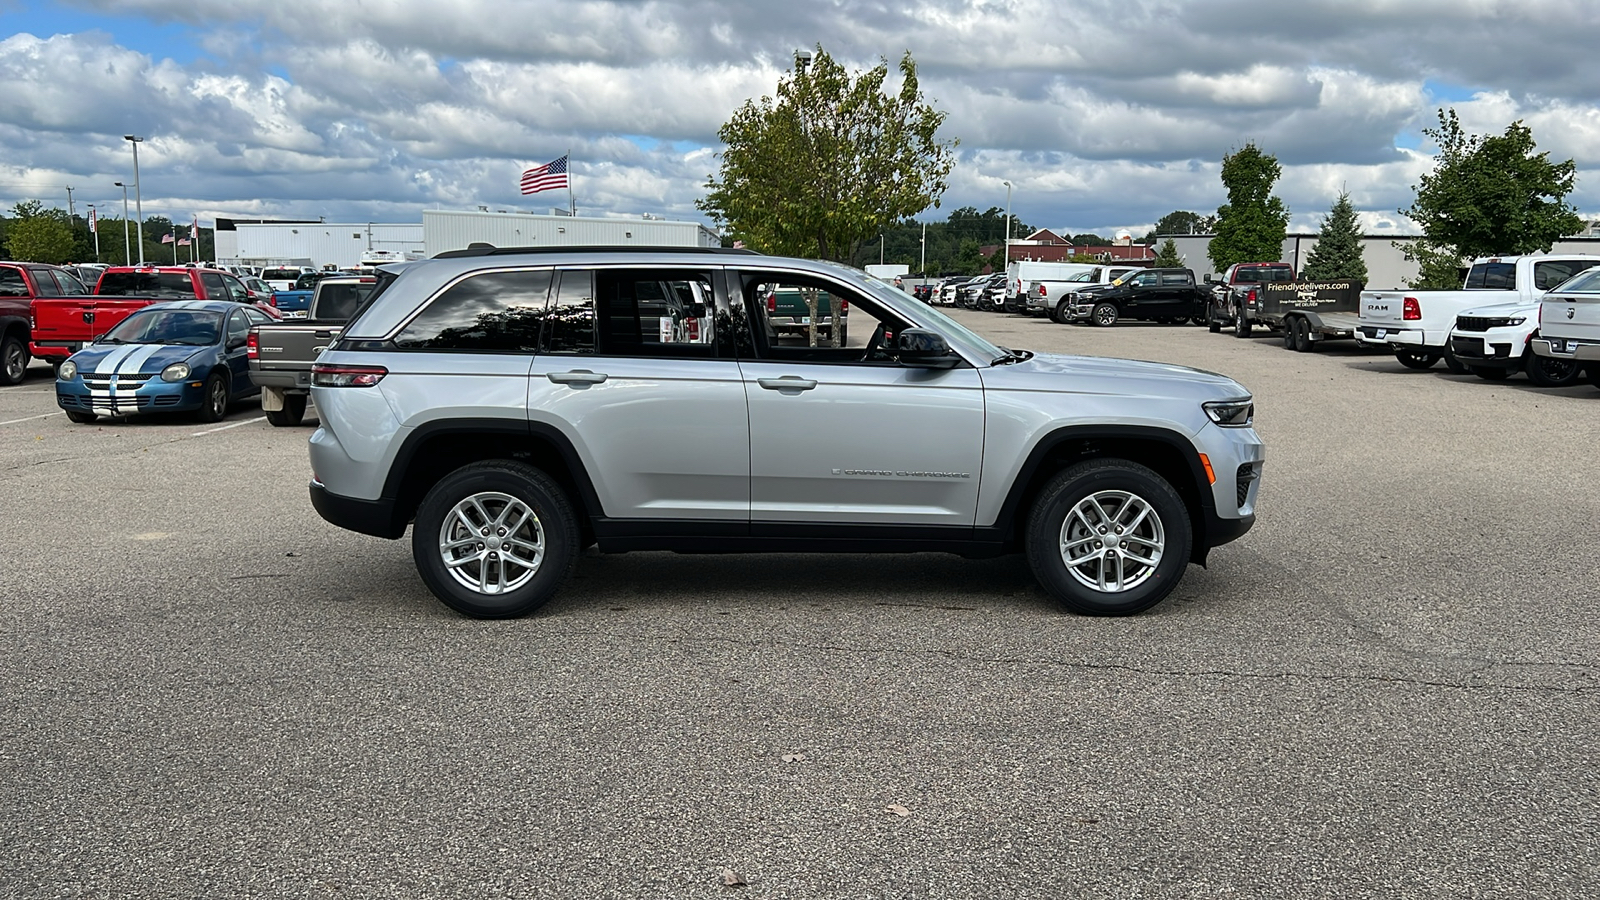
577	376
787	383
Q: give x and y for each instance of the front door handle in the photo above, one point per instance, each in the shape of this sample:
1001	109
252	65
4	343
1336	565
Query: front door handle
577	376
787	383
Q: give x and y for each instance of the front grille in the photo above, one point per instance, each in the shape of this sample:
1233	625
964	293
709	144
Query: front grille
1480	323
103	382
167	400
1246	476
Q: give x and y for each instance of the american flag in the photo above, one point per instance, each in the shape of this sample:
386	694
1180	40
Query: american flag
194	229
545	177
183	242
166	238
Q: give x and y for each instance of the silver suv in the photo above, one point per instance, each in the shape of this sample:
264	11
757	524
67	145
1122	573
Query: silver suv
517	405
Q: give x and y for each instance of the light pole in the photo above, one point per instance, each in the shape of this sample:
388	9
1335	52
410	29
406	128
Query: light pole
127	249
924	251
1008	221
94	226
138	193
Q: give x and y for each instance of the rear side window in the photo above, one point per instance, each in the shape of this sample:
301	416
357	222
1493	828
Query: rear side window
655	313
569	328
70	286
1171	279
1547	275
1494	276
496	312
215	290
12	283
165	285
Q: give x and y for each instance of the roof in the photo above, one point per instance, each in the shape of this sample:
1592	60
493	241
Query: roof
220	306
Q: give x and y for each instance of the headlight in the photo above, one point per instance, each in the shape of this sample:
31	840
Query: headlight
1231	413
1516	320
68	371
175	372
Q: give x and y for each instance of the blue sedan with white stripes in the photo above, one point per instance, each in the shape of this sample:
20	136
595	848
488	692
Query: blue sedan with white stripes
188	355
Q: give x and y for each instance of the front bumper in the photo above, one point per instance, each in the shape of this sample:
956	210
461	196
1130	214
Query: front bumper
1562	348
1499	348
123	398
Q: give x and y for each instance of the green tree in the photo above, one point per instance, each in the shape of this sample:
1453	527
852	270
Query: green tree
1181	221
1252	224
1338	253
829	162
1089	239
1438	267
40	235
1168	257
1492	194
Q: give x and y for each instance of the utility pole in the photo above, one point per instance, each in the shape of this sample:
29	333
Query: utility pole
138	192
924	251
1008	221
127	248
69	203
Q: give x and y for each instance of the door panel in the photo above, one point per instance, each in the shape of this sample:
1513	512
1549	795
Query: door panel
865	444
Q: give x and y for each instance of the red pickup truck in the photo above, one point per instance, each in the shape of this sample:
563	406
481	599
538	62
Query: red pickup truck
64	325
21	285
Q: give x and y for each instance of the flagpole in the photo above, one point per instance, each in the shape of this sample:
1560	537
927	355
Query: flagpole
572	204
174	243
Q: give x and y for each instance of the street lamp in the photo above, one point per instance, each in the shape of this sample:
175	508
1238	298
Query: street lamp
1008	221
94	226
138	193
127	249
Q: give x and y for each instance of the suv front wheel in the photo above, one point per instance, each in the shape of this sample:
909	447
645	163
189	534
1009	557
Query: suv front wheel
495	540
1108	537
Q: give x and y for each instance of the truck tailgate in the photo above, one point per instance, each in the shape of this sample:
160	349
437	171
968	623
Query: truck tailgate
291	349
1570	317
79	320
1383	308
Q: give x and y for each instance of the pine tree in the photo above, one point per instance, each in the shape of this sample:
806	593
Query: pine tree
1168	257
1337	255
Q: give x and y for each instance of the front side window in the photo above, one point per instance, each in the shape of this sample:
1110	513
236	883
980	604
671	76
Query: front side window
1144	279
238	328
494	312
812	320
236	289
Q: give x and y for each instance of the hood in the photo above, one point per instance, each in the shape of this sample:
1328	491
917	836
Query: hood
131	359
1507	310
1101	375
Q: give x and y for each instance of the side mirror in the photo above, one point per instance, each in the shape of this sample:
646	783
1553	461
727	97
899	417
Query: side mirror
924	349
1210	278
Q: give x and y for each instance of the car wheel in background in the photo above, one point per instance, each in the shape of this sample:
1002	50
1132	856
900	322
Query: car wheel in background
1108	537
1416	359
1104	314
1301	335
1546	371
82	418
214	406
1213	323
495	540
294	409
13	360
1241	325
1288	336
1490	373
1059	314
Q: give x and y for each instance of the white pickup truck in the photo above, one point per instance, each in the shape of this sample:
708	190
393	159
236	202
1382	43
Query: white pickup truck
1569	325
1416	324
1053	297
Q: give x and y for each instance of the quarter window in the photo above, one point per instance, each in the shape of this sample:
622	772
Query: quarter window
496	312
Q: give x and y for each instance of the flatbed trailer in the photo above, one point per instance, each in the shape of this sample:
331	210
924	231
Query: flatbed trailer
1307	313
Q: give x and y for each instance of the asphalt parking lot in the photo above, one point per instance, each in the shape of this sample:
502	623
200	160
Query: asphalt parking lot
1387	689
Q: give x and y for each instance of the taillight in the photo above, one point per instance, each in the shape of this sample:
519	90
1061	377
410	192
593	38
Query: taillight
252	346
844	306
1251	297
334	375
1411	311
772	303
1041	291
273	299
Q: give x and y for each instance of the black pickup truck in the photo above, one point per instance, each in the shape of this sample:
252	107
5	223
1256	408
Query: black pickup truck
281	354
1168	296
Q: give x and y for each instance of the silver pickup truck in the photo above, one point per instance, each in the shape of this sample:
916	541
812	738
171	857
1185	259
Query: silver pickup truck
281	354
1569	324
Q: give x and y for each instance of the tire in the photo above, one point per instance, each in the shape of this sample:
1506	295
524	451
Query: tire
13	360
1241	325
82	418
470	499
1547	371
294	409
214	402
1416	359
1300	336
1490	373
1104	314
1593	374
1059	314
1456	366
1064	514
1213	324
1288	335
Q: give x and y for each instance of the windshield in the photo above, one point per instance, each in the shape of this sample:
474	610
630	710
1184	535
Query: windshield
167	326
165	285
959	336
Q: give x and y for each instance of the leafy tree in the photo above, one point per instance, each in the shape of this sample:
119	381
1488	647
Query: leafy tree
1493	194
968	261
40	235
1089	239
1338	253
1168	257
1181	221
830	162
1252	224
1438	267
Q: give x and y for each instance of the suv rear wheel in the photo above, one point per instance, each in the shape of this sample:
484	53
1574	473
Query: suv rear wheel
1547	371
1108	537
495	540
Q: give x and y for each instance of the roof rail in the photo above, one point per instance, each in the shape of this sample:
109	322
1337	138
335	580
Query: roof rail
482	249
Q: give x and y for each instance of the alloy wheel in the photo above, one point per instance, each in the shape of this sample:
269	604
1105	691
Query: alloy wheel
492	543
1112	541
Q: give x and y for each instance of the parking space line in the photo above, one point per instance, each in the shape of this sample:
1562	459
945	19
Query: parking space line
223	428
31	418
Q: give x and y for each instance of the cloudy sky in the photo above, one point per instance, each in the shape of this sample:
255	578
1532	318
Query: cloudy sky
1102	114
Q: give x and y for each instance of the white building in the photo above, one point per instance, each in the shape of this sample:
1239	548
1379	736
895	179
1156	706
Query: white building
444	230
340	244
1387	267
